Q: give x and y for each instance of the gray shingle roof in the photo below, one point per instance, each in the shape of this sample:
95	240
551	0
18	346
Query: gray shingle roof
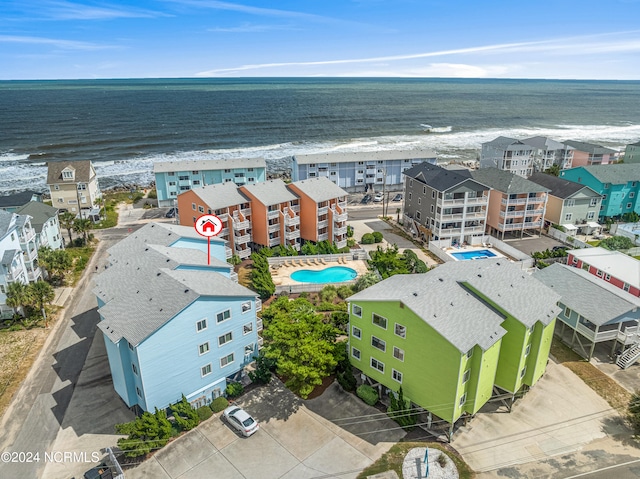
559	187
347	157
18	199
616	174
441	179
596	300
7	257
215	164
544	143
84	171
442	300
320	189
506	181
39	212
142	290
503	141
270	192
590	147
221	195
6	220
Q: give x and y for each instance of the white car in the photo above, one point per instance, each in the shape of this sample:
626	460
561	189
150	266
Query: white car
378	198
241	420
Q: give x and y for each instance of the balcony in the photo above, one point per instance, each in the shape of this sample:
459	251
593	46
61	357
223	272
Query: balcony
512	214
273	214
273	227
245	212
274	241
323	224
223	217
533	224
452	217
292	234
14	275
241	239
233	276
228	252
445	233
323	237
323	210
259	308
341	244
510	226
260	342
340	231
291	220
514	201
243	253
474	229
27	235
34	275
295	208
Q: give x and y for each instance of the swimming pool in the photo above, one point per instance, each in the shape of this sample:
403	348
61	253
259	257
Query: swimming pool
480	253
333	274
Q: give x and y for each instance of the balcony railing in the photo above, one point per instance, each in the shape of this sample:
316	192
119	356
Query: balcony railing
241	225
340	231
27	236
340	217
34	275
274	241
245	212
273	228
323	237
323	224
243	252
446	232
291	221
323	210
474	229
259	308
223	216
241	239
533	224
260	342
341	244
292	234
228	252
273	214
512	214
233	276
295	208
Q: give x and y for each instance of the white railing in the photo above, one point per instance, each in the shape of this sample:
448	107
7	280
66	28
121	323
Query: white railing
323	210
274	227
260	342
533	224
340	231
228	252
241	225
274	241
244	253
323	237
454	202
586	332
223	216
27	235
259	308
512	214
245	212
474	229
295	208
292	234
233	276
323	224
242	239
452	216
514	201
341	244
259	326
291	221
273	214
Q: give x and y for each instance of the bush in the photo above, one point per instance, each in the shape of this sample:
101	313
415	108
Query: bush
219	404
204	413
351	242
264	367
184	414
344	291
349	231
377	236
340	319
367	238
400	410
234	390
442	460
153	194
367	394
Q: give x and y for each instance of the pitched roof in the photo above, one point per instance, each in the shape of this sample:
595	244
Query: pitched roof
18	199
619	173
7	257
270	192
143	289
560	187
441	179
351	156
590	147
503	142
617	264
40	213
221	195
83	171
544	143
443	299
320	189
596	300
6	220
506	181
214	164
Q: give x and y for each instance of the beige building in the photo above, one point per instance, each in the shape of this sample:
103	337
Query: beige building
74	187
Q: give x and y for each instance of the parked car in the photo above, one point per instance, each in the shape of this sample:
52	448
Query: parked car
378	198
558	248
241	420
398	197
366	199
171	213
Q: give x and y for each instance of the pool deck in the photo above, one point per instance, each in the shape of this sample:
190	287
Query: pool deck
470	248
281	275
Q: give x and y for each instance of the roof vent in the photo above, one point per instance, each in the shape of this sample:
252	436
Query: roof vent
479	275
160	309
497	264
158	274
441	280
186	290
451	303
146	249
150	299
168	260
415	294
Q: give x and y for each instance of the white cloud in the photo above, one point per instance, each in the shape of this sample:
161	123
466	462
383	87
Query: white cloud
55	42
252	28
64	10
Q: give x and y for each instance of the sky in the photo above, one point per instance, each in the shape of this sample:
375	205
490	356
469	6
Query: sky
554	39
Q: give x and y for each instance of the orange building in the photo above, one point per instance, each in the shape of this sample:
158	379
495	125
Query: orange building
227	202
323	214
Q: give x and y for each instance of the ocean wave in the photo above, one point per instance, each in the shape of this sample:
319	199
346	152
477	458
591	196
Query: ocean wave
19	173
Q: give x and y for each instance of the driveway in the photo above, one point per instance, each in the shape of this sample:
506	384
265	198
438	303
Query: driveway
293	442
534	243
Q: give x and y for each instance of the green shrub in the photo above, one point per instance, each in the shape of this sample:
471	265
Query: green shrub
234	390
400	410
351	242
367	238
344	291
349	231
328	293
219	404
153	194
264	367
377	236
367	394
204	413
340	319
185	415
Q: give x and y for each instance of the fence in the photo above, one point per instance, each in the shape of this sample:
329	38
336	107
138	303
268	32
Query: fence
353	255
525	261
567	238
307	287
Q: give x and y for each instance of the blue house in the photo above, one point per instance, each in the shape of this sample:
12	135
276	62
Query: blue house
173	322
175	177
618	184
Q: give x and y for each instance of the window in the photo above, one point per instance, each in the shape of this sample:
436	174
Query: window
130	345
466	375
227	170
607	185
470	353
418	215
67	175
183	178
375	364
246	307
56	187
355	353
225	338
604	198
570	202
356	310
201	325
396	375
593	202
568	216
138	392
527	350
400	330
378	343
379	321
172	183
433	194
171	173
134	368
220	317
226	360
195	172
626	287
424	190
398	353
203	348
463	399
409	195
567	312
249	349
356	332
591	215
632	195
247	328
193	206
574	260
60	200
201	209
523	372
629	205
599	273
431	208
204	370
607	277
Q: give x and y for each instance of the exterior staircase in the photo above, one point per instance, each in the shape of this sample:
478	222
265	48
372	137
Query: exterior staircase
629	357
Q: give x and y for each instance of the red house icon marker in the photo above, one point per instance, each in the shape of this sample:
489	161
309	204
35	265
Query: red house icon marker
208	226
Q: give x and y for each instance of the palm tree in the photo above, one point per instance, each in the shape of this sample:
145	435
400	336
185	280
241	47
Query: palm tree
100	202
41	294
81	226
66	221
18	296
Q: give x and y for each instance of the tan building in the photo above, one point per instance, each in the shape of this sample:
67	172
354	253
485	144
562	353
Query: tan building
323	210
74	187
226	202
516	205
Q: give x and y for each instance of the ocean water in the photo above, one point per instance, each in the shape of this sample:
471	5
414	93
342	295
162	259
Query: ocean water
123	126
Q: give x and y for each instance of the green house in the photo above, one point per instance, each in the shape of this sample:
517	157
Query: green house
450	335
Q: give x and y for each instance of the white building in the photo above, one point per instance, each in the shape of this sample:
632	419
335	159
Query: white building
508	154
44	219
